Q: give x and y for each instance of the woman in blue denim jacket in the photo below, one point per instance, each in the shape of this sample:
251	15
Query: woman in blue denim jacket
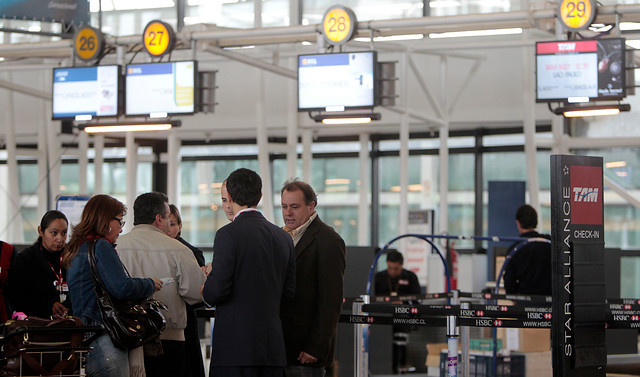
101	223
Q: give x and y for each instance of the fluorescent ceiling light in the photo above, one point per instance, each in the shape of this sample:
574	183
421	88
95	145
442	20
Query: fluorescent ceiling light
633	43
615	164
238	47
346	120
127	127
337	181
622	173
591	113
624	26
476	33
388	38
444	3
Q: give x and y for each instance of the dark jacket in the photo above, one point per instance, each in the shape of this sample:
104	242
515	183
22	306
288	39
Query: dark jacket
529	270
196	251
406	284
30	287
253	271
310	321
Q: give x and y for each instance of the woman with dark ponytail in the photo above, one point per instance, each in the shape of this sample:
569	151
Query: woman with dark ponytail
37	284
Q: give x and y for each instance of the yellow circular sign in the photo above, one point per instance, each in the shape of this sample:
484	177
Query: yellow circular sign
577	14
158	38
339	24
88	43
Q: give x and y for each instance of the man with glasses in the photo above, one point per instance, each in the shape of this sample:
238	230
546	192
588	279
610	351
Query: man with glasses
148	251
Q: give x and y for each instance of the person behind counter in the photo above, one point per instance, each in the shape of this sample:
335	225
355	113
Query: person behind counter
102	222
37	284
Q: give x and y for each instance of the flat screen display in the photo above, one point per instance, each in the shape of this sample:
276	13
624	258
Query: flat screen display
85	91
334	82
580	71
160	88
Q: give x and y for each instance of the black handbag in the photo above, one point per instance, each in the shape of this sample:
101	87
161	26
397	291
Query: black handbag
129	324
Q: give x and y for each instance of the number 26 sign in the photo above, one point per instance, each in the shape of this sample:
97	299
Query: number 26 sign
339	23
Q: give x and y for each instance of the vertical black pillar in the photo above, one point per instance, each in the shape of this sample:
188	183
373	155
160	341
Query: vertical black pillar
577	239
375	192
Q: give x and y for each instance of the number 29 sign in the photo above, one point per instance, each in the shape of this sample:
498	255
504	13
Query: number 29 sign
339	24
577	14
158	38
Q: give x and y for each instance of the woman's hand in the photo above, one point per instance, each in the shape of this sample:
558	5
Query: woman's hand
59	309
158	284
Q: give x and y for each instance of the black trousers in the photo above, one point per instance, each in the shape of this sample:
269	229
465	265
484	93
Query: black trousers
246	371
172	363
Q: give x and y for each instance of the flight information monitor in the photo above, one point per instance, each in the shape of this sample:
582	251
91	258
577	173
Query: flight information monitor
160	88
580	71
85	91
336	82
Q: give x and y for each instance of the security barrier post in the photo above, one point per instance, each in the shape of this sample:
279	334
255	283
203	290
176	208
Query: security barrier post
452	341
361	336
464	338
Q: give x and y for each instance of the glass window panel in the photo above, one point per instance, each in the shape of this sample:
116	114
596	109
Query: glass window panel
69	179
28	178
313	10
200	203
30	222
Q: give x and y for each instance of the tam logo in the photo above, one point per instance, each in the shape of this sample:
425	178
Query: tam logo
585	194
586	204
547	315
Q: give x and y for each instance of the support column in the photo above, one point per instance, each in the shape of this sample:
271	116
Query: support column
43	169
83	162
363	203
403	214
98	162
307	155
131	163
529	126
173	168
292	129
444	156
15	232
263	152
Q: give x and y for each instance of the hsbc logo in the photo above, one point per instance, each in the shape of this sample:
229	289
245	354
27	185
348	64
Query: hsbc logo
585	194
497	323
627	306
547	316
635	318
535	315
414	310
504	308
370	320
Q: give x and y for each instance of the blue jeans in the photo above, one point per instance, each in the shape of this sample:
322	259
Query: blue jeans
299	371
105	360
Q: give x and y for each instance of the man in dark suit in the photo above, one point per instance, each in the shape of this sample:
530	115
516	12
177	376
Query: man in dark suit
253	272
310	321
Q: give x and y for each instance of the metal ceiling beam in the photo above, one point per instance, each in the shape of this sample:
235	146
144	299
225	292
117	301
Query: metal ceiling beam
290	34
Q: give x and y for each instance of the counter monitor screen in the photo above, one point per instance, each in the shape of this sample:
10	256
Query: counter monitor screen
85	91
336	82
160	88
580	71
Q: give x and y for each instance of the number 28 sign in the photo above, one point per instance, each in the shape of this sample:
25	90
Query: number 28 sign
577	14
339	24
158	38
